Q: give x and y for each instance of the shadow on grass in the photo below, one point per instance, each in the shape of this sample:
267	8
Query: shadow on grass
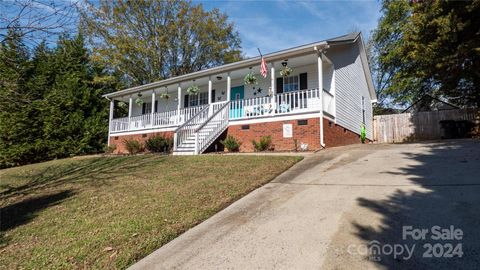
449	172
94	171
24	211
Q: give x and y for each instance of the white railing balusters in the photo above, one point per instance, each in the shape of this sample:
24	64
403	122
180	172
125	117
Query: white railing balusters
216	124
283	103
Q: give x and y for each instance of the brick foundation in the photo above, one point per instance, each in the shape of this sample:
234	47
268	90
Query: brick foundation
334	135
309	134
119	140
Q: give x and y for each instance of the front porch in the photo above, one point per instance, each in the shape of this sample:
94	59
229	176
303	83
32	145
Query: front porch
222	98
298	102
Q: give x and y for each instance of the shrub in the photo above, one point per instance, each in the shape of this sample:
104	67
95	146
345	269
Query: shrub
110	148
231	143
133	146
363	134
264	143
159	144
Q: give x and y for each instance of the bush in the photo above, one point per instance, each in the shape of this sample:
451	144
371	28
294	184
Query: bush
264	143
110	148
231	143
159	143
133	146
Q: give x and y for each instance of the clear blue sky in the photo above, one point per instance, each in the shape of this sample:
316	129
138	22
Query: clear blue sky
275	25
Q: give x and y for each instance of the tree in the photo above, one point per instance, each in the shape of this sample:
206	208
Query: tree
37	20
430	47
51	103
146	41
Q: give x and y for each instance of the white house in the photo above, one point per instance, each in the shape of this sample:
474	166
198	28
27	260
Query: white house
330	80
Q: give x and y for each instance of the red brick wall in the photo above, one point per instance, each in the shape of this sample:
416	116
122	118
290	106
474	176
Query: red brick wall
335	135
309	134
119	140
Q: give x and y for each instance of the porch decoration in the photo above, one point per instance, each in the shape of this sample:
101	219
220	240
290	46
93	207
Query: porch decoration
193	90
165	95
250	78
139	101
286	71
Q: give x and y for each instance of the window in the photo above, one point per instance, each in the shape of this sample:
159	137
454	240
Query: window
363	109
146	108
245	127
290	84
195	100
203	98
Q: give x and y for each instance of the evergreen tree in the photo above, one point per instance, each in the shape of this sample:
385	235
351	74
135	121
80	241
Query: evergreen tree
75	118
51	104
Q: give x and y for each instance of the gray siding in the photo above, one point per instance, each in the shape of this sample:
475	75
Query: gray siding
350	86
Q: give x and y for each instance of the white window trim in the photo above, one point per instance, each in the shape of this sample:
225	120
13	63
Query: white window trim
298	83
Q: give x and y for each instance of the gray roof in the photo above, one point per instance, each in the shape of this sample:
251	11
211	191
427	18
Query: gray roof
345	38
348	38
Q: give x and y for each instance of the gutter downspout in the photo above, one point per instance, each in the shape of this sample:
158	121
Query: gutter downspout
320	51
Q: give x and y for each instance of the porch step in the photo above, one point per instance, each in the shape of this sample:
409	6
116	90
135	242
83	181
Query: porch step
212	128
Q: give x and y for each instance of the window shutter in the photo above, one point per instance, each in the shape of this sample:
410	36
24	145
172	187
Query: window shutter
303	81
156	106
143	107
279	85
213	96
185	101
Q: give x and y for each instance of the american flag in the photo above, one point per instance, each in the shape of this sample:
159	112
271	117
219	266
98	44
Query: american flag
263	68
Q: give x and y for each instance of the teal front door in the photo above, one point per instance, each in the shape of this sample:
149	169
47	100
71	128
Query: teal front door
236	106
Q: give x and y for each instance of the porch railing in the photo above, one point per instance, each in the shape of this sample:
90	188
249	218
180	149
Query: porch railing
328	103
212	127
285	103
160	119
187	129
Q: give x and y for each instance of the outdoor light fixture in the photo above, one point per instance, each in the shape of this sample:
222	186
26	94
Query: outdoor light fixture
285	63
219	78
139	94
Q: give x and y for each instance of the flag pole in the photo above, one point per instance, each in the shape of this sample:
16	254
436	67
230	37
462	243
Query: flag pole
259	52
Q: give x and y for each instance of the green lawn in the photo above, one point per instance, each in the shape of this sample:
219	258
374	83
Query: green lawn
108	212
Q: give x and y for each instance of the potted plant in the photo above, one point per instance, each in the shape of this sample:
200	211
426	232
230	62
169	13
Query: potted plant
193	90
139	101
285	72
250	79
165	95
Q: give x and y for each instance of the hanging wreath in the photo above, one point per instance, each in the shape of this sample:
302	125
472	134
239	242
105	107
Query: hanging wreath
193	90
250	78
286	71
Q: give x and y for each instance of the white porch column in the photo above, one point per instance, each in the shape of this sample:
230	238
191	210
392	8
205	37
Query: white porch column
130	101
273	88
153	108
210	109
229	86
110	118
179	105
320	90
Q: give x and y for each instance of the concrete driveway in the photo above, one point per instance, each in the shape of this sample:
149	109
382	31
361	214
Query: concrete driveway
332	211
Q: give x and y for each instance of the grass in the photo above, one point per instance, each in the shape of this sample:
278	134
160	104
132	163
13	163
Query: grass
109	212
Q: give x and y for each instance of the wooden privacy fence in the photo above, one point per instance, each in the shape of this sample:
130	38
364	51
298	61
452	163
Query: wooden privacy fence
417	126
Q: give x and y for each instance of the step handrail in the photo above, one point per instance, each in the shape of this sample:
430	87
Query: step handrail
217	123
212	116
191	119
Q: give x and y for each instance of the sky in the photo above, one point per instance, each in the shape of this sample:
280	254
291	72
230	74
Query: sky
275	25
